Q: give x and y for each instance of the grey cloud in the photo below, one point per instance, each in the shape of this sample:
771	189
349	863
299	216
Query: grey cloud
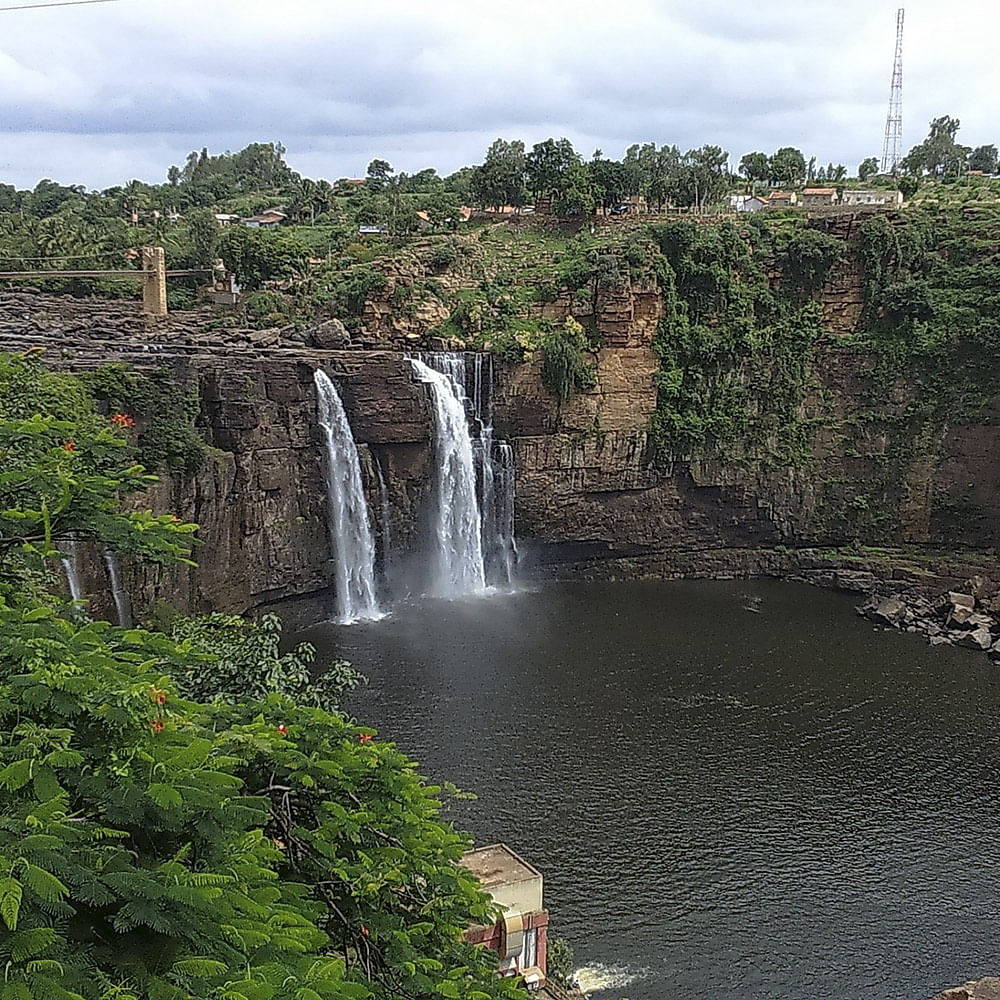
427	86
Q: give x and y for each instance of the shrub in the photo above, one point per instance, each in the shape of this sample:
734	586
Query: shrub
564	368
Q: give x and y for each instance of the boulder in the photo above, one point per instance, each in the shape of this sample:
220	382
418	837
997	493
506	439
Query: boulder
979	620
330	335
978	586
980	638
891	611
960	615
980	989
954	599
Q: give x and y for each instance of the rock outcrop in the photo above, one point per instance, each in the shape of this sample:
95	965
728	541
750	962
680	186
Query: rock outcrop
978	989
969	617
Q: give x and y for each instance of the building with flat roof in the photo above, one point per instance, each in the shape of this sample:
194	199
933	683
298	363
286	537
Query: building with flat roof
519	936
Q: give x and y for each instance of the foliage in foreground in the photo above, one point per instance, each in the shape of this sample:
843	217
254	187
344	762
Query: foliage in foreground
156	847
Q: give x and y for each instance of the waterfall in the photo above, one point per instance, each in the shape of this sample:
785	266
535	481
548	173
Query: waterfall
70	563
386	518
493	461
457	558
498	517
123	603
351	543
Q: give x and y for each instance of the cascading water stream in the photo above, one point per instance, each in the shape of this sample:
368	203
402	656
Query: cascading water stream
496	462
123	603
351	542
493	461
70	563
457	567
386	518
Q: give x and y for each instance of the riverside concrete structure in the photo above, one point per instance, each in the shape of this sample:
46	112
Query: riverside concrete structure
519	936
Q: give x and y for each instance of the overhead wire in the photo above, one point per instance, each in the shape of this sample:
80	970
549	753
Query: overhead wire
58	3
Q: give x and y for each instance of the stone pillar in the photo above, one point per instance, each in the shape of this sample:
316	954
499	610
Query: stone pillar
154	282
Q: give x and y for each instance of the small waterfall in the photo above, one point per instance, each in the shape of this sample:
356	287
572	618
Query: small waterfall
493	461
351	542
458	568
386	518
496	475
498	517
71	565
123	603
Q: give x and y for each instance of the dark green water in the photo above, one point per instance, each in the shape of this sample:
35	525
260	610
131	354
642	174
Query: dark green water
782	804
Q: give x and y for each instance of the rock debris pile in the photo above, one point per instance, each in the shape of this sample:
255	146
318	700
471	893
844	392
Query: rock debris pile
968	617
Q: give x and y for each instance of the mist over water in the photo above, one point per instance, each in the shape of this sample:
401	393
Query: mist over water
787	803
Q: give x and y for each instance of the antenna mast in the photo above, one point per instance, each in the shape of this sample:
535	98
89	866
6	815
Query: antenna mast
892	149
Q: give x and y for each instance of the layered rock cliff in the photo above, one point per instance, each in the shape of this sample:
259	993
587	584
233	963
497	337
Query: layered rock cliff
869	470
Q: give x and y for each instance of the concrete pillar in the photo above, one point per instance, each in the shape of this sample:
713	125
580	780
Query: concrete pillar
154	281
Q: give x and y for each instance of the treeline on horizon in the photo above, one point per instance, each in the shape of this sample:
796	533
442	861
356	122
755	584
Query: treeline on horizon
54	226
510	175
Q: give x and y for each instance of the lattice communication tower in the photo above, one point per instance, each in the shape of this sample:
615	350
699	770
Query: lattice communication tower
892	149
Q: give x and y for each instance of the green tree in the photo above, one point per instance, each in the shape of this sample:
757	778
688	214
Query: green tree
499	180
606	179
639	167
702	177
204	232
755	166
984	158
787	166
564	368
939	154
378	174
257	255
868	168
548	167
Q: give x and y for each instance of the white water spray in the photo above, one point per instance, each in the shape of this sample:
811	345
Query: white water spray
123	603
457	558
493	461
71	566
351	542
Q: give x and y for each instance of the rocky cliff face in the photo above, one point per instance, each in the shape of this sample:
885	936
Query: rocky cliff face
590	495
260	497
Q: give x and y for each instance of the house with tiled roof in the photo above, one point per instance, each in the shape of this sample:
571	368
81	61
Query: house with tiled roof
818	196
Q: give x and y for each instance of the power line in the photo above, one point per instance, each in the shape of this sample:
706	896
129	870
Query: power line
61	3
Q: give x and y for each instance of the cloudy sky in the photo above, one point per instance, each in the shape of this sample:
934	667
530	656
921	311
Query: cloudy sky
102	93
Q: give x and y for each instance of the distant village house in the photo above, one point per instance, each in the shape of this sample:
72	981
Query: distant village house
782	199
267	219
818	197
879	196
746	203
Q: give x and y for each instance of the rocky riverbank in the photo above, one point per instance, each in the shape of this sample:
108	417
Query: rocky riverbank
967	617
979	989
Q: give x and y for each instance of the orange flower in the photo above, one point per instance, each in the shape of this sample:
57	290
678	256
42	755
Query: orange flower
364	737
122	420
158	695
282	729
156	725
69	446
